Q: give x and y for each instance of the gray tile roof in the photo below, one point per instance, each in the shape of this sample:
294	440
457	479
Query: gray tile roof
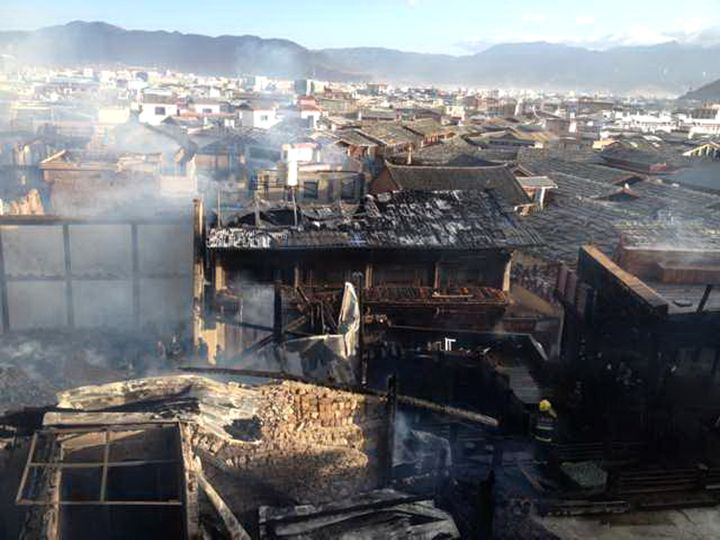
425	178
547	164
459	153
578	213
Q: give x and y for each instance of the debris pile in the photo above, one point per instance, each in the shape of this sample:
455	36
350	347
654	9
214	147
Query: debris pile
333	437
18	390
299	442
384	513
36	365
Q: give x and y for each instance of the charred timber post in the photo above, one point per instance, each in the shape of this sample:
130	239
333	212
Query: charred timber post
277	312
360	286
705	297
410	401
392	399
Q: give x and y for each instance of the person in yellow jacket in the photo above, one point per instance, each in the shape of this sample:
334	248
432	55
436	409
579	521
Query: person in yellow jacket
544	429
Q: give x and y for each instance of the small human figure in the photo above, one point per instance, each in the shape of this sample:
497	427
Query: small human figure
203	349
544	430
219	356
176	350
161	350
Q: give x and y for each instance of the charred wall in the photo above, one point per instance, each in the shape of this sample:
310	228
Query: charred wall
329	266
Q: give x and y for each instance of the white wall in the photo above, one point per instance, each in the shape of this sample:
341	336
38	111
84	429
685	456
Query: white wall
206	108
103	281
149	116
165	301
33	251
36	304
165	248
313	117
110	254
300	154
103	304
259	119
113	115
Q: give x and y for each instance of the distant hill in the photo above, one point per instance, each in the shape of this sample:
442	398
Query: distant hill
669	68
709	92
81	43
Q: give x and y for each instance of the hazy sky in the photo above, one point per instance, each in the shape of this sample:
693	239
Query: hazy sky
448	26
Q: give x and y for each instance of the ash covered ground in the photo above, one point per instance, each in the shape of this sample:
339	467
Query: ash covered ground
35	365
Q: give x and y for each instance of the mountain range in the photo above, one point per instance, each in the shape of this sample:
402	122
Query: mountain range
666	69
709	92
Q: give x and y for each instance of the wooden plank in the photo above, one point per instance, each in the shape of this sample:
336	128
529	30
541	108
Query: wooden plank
99	464
28	502
189	480
26	470
234	528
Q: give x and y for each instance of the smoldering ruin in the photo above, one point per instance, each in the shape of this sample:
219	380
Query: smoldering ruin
252	308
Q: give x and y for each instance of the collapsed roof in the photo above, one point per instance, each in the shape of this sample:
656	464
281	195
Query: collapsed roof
456	220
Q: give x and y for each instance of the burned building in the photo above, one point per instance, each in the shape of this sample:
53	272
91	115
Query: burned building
642	330
440	257
105	182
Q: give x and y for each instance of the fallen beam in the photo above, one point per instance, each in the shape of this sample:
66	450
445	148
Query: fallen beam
255	347
462	414
335	510
705	297
234	528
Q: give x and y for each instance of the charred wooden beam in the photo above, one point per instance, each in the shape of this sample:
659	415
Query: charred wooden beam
705	297
233	527
252	349
454	412
277	313
392	398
